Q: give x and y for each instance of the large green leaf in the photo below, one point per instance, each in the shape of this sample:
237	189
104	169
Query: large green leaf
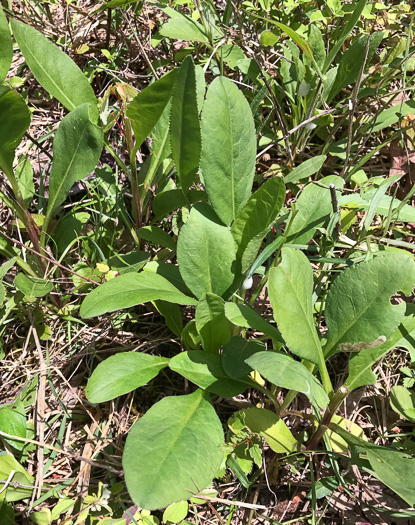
205	370
228	148
314	207
214	328
15	119
6	49
76	150
290	288
206	253
128	290
305	169
392	467
255	219
282	370
245	316
358	307
185	124
122	373
148	106
173	451
32	286
54	70
269	426
403	402
360	364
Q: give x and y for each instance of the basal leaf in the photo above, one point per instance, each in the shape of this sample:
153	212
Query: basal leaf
360	364
172	315
282	370
185	125
76	150
15	119
269	426
31	286
206	253
171	200
234	354
157	236
228	148
211	323
24	177
358	307
173	451
255	218
205	369
403	402
6	49
392	467
146	108
290	288
54	70
122	373
128	290
305	169
247	317
182	27
314	207
8	465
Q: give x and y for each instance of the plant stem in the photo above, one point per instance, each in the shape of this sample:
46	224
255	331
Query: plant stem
334	404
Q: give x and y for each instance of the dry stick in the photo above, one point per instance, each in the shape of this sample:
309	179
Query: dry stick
53	261
41	395
353	107
335	206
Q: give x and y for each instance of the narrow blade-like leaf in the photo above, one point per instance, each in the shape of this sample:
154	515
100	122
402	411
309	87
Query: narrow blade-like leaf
6	48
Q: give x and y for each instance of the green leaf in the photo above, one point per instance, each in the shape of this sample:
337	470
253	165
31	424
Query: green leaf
228	159
205	369
32	286
403	402
290	288
24	177
211	323
116	3
393	468
128	290
301	43
148	106
157	236
6	48
172	315
176	512
305	169
15	119
360	364
247	317
167	458
185	125
314	207
358	307
14	423
54	70
171	200
182	27
122	373
206	253
268	38
234	354
255	218
269	426
282	370
77	147
14	493
351	62
347	28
